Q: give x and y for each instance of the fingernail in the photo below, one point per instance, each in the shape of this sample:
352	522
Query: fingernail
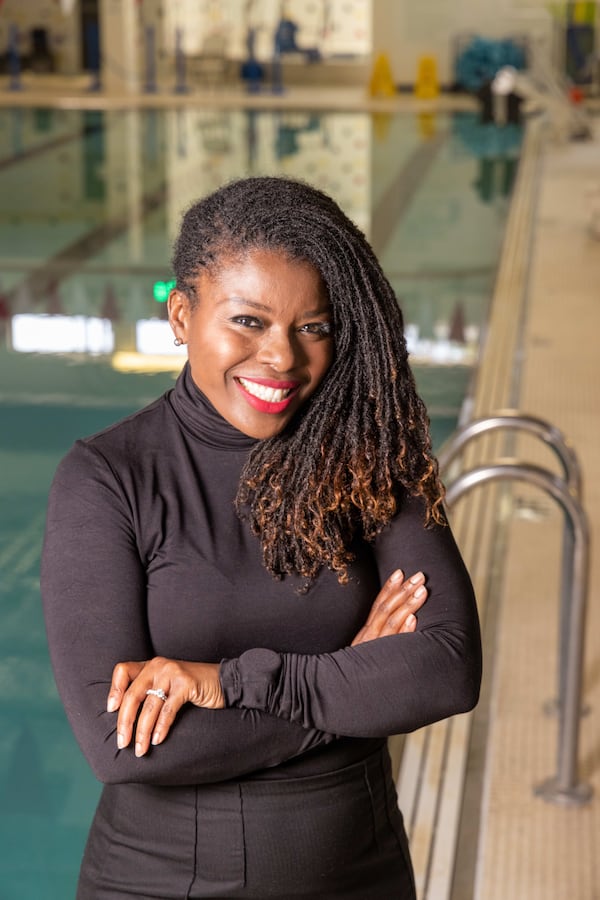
416	578
156	738
410	620
138	750
419	592
397	575
121	742
111	704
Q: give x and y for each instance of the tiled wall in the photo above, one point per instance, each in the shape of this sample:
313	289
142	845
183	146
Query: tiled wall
334	27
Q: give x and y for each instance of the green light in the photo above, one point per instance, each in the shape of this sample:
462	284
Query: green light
162	289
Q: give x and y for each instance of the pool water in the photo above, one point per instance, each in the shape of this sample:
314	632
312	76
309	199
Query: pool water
89	204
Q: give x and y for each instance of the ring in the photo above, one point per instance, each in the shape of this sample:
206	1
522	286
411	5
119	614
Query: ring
157	692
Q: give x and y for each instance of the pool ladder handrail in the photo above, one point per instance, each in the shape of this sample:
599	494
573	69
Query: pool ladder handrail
556	440
565	787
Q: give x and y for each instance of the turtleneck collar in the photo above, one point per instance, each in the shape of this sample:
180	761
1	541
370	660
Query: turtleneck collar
199	417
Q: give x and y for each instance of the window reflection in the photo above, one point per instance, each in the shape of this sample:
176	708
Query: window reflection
32	333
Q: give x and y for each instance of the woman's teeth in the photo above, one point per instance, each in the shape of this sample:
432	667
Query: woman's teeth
268	394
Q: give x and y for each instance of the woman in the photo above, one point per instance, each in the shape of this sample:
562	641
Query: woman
222	554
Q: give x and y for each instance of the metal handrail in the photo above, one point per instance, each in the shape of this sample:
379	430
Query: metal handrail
515	420
565	786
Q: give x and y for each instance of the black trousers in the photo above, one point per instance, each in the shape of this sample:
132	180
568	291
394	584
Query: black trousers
338	835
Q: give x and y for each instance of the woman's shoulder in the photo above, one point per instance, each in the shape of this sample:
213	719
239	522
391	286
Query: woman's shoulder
125	442
141	424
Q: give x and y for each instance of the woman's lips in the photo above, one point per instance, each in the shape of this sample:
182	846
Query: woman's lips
266	394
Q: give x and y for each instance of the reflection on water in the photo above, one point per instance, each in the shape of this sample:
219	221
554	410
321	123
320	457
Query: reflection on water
89	205
91	202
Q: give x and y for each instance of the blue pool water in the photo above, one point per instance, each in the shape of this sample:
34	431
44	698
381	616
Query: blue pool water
89	204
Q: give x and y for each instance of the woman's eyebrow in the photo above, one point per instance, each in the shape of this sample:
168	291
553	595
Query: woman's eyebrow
263	307
245	302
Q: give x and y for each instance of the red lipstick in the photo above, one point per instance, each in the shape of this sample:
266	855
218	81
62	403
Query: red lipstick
269	406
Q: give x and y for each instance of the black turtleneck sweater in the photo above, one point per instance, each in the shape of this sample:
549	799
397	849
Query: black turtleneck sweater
145	556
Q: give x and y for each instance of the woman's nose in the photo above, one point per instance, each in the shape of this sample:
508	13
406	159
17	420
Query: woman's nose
279	350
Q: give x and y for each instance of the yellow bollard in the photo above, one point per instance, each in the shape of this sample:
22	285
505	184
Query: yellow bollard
381	83
427	84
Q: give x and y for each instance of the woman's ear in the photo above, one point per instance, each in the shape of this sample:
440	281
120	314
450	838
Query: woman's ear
178	306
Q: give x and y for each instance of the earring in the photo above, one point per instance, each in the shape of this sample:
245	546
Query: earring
178	342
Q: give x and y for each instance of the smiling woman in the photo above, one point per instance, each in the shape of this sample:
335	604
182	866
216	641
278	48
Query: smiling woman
249	584
258	331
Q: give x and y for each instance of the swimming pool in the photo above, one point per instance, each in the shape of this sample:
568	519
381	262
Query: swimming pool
89	203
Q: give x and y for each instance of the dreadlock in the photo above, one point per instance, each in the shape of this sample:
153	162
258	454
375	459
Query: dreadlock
338	470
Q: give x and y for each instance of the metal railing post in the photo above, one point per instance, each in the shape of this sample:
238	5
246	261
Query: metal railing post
565	787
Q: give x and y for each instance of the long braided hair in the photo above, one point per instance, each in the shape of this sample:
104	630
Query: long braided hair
338	471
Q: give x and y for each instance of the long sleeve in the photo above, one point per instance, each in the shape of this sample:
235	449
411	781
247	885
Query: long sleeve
393	684
94	590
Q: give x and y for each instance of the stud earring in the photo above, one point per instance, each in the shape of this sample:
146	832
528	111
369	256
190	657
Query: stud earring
178	342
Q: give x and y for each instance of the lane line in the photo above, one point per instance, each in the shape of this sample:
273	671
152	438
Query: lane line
397	198
32	152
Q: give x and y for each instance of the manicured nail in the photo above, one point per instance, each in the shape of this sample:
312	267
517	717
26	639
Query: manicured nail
416	578
156	738
121	743
397	575
138	750
410	620
419	592
111	704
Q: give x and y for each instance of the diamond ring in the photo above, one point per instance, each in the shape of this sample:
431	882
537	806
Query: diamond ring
157	692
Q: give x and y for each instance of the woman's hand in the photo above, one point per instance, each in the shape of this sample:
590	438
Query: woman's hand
181	681
393	611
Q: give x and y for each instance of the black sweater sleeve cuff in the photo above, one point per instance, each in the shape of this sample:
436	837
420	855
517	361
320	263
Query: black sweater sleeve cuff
249	680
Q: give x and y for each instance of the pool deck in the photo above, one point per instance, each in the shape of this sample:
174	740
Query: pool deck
529	848
478	832
74	92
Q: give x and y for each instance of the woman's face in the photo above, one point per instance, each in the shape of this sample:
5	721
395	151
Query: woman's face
259	338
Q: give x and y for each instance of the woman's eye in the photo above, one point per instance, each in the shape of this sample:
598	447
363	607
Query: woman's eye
320	329
247	321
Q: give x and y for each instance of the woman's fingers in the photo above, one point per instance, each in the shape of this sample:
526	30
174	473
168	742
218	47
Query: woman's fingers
129	709
123	675
139	710
150	704
395	581
392	588
196	683
394	608
155	719
400	624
